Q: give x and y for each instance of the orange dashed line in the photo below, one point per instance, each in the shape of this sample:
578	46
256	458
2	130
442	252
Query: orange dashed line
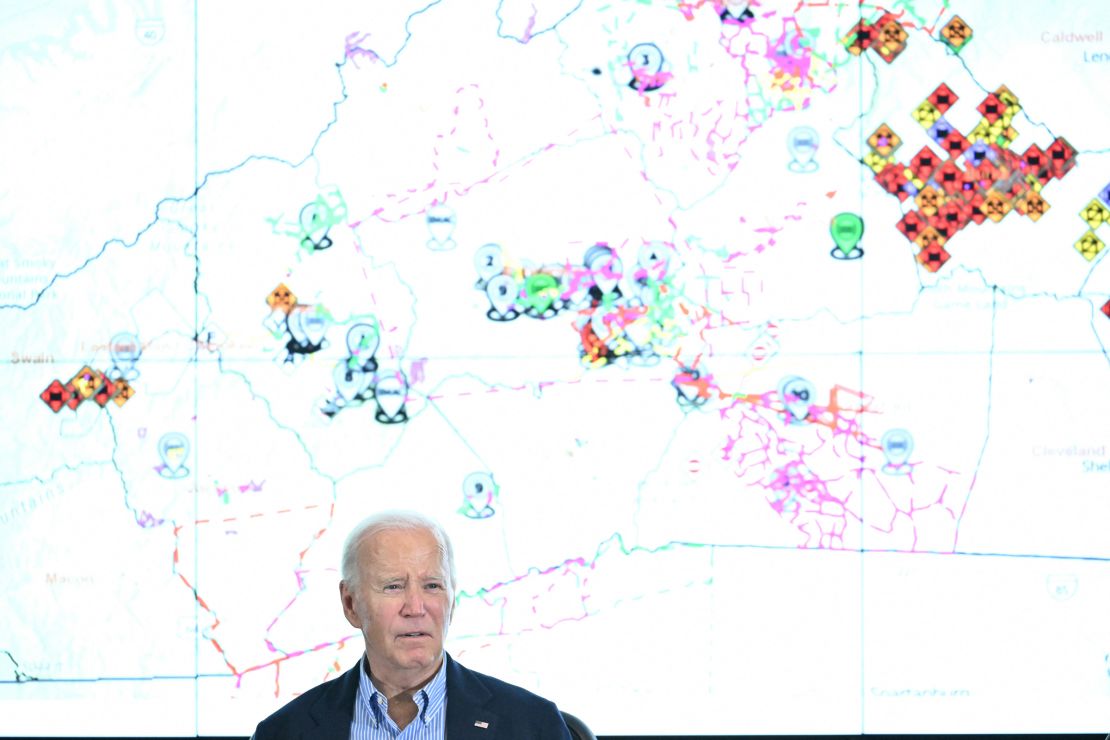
258	514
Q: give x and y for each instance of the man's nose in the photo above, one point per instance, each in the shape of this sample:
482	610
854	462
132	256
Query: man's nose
414	601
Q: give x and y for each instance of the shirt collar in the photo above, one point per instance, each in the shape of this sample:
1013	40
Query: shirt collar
429	699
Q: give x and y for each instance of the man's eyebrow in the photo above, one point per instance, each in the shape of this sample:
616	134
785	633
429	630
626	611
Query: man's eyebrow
390	579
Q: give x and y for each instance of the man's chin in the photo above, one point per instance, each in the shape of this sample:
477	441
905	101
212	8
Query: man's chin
419	655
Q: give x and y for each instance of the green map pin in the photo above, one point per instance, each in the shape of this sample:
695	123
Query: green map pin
846	230
541	290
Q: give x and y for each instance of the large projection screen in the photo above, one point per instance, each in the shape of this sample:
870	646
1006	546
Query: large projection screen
754	355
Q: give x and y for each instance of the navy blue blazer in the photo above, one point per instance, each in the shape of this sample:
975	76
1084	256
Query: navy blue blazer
510	712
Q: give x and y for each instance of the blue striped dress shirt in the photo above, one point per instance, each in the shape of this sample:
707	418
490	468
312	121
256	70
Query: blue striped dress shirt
372	721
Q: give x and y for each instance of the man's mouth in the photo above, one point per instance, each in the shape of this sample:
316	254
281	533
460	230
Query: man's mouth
414	634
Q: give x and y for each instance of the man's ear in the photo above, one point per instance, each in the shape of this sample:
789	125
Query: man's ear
347	598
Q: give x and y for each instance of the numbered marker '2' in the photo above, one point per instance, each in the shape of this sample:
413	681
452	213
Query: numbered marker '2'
488	261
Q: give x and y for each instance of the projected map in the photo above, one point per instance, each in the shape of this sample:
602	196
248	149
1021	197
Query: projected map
754	354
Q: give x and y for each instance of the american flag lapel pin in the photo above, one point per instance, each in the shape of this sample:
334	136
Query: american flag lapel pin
480	723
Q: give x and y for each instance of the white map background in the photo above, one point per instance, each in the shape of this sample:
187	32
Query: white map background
154	158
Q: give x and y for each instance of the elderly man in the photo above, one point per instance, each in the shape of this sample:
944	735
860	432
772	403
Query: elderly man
398	589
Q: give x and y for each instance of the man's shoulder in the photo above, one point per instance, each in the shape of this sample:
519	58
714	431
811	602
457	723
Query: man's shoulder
503	692
521	713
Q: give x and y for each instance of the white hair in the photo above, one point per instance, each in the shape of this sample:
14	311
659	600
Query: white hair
394	520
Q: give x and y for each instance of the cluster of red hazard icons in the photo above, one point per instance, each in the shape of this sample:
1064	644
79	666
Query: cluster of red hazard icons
86	385
972	179
887	37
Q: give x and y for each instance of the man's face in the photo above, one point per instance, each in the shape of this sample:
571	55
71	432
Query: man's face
401	604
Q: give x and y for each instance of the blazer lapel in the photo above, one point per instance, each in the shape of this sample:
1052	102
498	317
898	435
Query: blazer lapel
335	708
467	718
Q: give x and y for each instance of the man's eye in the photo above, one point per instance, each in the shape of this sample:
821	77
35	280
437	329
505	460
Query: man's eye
393	587
434	586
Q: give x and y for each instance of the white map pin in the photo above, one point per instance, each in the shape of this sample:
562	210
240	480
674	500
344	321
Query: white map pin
173	448
363	341
689	391
294	323
315	327
606	268
124	349
796	394
595	252
502	292
315	220
685	383
654	259
441	224
390	394
802	144
609	275
478	491
488	261
646	58
897	447
348	383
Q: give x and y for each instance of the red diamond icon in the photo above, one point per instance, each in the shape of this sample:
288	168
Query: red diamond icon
1106	309
975	208
949	177
104	394
911	225
1033	158
923	163
955	144
933	258
953	215
55	396
75	398
991	108
1061	157
943	98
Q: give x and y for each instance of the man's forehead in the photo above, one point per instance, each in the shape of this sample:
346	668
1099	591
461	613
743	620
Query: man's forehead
401	549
